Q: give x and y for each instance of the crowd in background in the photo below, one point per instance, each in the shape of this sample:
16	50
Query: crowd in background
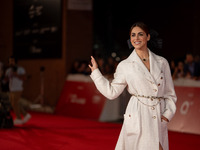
107	67
189	67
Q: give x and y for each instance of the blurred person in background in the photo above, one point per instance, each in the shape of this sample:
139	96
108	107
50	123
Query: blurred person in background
101	64
172	66
191	68
16	75
74	68
111	64
4	85
148	79
83	68
197	60
178	71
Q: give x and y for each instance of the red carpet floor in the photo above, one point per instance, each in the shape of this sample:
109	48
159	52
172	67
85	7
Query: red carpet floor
52	132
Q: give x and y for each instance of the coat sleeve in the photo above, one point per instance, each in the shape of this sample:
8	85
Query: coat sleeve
170	95
112	89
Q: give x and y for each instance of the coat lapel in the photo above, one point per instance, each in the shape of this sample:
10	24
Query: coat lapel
154	66
141	67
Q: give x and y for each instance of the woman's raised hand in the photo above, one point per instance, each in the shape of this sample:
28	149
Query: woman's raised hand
94	64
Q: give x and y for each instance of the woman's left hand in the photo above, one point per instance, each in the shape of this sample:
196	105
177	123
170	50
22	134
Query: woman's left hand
164	118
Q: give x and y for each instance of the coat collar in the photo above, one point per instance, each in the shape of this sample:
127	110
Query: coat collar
155	68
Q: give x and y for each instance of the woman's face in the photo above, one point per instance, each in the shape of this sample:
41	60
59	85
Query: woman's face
139	38
180	65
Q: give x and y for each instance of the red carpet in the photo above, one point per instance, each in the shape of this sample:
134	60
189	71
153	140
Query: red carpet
51	132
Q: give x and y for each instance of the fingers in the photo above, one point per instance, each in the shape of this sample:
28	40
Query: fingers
90	66
93	64
164	118
92	60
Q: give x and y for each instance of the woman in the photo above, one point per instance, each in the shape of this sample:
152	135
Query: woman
152	105
179	71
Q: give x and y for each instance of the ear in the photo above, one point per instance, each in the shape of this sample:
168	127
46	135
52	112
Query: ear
148	37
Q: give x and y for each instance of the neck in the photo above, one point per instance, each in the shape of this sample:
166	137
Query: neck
143	53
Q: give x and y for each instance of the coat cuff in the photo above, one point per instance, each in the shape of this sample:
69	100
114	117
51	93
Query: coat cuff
168	114
95	74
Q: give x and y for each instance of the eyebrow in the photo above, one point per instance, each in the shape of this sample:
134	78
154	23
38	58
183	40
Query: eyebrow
138	32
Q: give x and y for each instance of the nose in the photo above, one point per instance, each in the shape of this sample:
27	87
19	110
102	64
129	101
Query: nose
136	36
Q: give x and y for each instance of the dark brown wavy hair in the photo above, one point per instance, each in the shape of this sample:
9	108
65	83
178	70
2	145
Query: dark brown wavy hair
141	25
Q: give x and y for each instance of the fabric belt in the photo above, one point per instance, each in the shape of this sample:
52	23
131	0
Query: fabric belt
149	97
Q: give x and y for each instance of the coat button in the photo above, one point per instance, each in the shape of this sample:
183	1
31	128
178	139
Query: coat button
161	78
158	84
154	117
129	115
152	108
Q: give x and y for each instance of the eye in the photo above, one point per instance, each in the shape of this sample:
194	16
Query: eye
140	34
133	34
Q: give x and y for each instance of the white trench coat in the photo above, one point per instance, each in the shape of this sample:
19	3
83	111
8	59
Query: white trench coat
142	128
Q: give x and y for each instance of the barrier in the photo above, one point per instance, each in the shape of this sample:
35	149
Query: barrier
187	117
80	98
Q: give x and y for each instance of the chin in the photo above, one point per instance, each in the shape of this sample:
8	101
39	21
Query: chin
137	47
140	48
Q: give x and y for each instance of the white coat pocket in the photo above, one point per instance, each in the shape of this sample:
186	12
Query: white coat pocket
131	123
